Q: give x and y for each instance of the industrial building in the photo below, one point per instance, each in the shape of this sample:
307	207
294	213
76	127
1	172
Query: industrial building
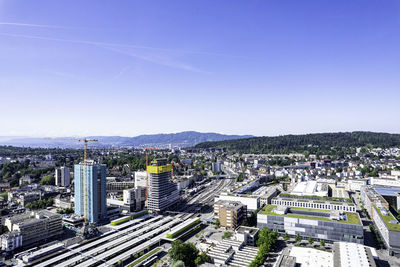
90	198
229	213
162	192
314	223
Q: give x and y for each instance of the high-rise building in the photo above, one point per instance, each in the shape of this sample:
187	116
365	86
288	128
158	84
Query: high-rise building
96	193
62	176
163	193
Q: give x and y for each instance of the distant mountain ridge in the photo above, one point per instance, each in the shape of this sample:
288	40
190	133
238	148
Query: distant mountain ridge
181	139
313	143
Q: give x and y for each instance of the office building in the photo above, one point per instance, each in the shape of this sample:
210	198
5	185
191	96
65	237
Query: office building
11	241
35	226
315	223
323	204
92	203
229	213
163	193
62	177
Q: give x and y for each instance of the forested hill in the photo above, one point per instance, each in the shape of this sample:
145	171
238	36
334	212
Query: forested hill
311	143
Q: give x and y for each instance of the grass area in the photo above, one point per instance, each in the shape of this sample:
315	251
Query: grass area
145	256
352	218
180	231
128	218
387	219
309	209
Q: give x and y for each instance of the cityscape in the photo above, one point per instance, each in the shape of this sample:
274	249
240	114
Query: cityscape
199	133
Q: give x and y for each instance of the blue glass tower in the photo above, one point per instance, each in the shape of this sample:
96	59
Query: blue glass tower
96	191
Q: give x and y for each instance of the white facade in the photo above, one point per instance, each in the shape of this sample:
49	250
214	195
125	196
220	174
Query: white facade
314	205
252	202
11	241
140	179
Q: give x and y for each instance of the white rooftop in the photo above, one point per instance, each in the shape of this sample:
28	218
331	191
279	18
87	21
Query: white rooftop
352	254
312	257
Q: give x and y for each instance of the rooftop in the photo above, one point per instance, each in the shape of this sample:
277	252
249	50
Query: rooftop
350	217
388	218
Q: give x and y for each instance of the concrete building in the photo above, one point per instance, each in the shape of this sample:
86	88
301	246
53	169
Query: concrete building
311	188
356	185
313	204
229	213
388	227
35	226
266	194
92	203
246	234
62	176
314	223
11	241
216	166
26	179
163	193
118	185
252	202
140	178
25	197
304	257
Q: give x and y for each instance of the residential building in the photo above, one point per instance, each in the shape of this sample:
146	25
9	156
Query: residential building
26	179
314	223
90	198
62	176
35	226
229	213
162	192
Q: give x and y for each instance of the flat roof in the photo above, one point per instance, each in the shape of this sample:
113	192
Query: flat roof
351	217
312	257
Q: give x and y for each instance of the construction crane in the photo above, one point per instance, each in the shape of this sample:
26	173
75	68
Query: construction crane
85	143
147	174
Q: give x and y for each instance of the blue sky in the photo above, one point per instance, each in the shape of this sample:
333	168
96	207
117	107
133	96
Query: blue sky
127	67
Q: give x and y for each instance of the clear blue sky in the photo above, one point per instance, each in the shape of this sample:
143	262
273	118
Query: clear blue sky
124	67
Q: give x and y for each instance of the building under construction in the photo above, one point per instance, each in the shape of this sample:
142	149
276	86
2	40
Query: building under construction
90	197
162	193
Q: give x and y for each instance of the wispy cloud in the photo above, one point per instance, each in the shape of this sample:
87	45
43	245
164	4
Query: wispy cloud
163	59
34	25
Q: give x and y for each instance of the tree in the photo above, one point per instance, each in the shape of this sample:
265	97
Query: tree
226	235
186	252
298	238
47	180
322	242
217	223
178	264
286	237
310	241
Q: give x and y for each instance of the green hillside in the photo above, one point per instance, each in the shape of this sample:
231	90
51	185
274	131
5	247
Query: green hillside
326	143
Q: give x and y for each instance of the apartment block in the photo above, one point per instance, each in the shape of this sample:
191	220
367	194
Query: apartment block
229	213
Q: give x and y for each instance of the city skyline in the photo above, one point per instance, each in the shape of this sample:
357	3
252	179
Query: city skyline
263	68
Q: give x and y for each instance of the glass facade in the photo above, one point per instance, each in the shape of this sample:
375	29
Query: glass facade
96	191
